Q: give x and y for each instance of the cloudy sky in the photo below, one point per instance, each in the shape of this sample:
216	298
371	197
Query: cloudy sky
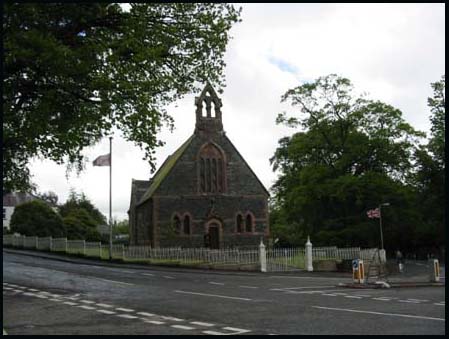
391	51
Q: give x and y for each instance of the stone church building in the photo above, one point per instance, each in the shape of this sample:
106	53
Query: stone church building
204	194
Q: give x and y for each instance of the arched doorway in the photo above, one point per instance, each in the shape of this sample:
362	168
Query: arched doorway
213	230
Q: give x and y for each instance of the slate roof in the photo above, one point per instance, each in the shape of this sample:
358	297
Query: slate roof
164	170
138	189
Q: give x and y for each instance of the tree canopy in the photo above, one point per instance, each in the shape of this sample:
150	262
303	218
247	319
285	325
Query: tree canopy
74	71
36	218
81	217
351	154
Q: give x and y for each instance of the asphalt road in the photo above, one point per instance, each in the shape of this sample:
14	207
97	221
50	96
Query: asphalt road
44	296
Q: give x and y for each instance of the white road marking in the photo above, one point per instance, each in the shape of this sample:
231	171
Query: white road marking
363	295
312	278
330	295
409	301
20	291
154	322
106	311
41	296
340	293
238	330
182	327
148	274
168	277
215	283
305	287
29	294
382	299
200	323
88	301
33	290
243	286
127	316
310	292
72	298
104	305
421	300
213	295
114	281
439	304
215	333
146	314
7	288
124	309
87	307
171	318
53	299
353	296
380	313
69	303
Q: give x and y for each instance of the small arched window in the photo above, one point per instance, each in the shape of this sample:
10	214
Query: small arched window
239	222
177	224
249	223
187	224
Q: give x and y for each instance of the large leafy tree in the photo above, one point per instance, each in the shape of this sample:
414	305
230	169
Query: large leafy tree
36	218
430	174
81	217
351	154
73	72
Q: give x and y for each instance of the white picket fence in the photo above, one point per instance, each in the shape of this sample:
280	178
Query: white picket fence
276	259
285	259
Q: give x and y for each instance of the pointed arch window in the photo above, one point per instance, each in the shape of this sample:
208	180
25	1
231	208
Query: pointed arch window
177	224
239	222
186	224
249	223
211	173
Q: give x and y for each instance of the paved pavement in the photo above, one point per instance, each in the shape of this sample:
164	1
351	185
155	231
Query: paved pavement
46	296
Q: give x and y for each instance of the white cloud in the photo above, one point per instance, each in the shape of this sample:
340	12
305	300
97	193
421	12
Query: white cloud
391	51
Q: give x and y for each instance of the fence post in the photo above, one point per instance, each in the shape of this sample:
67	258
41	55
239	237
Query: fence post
99	249
123	252
84	247
65	245
309	265
51	243
263	257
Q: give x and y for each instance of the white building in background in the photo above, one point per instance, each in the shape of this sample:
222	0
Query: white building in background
11	200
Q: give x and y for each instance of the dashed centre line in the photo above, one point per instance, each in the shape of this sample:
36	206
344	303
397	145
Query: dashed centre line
183	327
243	286
106	311
216	283
104	305
124	309
200	323
126	316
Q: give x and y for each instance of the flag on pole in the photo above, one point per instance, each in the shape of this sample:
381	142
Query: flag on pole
375	213
103	160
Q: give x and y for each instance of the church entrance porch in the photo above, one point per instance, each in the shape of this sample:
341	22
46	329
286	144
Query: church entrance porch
213	234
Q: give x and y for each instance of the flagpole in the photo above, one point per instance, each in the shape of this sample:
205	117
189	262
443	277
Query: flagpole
380	223
110	198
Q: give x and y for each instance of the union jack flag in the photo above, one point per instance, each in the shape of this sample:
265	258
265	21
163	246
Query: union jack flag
375	213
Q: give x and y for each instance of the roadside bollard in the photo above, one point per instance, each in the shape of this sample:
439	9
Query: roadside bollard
358	271
434	270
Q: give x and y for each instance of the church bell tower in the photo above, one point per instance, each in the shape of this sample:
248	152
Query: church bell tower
208	112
